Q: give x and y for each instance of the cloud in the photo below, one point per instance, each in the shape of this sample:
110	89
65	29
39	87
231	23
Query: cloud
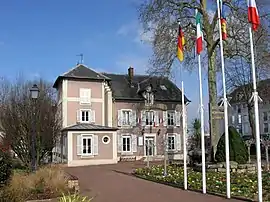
136	32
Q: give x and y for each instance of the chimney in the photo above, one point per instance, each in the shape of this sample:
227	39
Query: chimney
130	75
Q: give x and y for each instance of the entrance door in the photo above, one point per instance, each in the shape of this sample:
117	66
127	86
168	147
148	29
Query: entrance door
149	146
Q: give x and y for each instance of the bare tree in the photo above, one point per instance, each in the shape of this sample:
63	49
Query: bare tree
160	16
18	112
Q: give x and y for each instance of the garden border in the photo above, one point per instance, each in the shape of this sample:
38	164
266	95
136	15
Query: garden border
193	190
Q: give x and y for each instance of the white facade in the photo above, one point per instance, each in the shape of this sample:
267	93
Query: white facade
238	117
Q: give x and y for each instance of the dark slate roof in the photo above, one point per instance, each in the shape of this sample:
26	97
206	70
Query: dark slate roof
81	72
121	86
122	91
89	127
263	88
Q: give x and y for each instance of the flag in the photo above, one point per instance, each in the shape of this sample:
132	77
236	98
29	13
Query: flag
253	15
199	40
223	22
180	44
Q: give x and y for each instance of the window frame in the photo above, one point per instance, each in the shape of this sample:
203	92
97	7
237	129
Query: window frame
130	143
174	118
89	115
153	120
129	117
174	142
83	98
265	128
149	98
87	137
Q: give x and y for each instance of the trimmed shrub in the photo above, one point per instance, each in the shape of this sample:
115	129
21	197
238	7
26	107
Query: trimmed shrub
5	167
238	149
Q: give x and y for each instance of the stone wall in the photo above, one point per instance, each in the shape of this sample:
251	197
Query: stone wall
234	167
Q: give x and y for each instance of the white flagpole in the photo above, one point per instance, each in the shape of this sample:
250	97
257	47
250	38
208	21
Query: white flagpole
202	127
228	181
184	136
255	96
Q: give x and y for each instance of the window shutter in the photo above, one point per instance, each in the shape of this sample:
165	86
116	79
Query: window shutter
93	116
119	143
156	118
78	116
119	118
143	118
134	142
178	118
166	142
178	142
133	118
95	145
165	118
79	145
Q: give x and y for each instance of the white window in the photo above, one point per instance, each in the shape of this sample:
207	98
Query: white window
233	119
163	87
126	116
85	116
171	118
85	96
149	118
265	128
171	143
239	118
126	146
265	116
87	145
149	98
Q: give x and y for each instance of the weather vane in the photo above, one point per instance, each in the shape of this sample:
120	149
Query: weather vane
81	58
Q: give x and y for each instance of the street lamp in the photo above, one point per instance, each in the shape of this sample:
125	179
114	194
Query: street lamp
34	91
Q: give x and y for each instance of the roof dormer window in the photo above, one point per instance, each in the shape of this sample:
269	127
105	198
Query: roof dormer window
149	98
163	87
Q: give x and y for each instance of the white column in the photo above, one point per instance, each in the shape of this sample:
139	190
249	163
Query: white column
70	148
109	107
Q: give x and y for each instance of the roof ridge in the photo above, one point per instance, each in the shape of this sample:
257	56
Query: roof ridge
70	70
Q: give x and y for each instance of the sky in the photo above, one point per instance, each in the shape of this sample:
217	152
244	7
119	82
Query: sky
43	39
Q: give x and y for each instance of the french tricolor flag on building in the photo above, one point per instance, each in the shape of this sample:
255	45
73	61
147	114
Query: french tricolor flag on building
253	15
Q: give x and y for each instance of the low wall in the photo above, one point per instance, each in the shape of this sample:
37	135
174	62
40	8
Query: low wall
234	167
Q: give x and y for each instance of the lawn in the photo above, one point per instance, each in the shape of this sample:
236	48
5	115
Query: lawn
242	185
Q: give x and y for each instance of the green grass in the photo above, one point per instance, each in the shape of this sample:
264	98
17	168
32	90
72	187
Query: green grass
242	185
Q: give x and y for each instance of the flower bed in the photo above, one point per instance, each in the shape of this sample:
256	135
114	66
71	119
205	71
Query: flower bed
242	184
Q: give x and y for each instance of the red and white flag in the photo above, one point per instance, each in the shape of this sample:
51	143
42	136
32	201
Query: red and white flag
253	15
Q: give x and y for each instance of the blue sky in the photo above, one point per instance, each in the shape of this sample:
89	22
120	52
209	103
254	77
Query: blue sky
42	39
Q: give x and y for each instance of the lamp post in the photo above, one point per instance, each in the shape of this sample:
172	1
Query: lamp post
34	91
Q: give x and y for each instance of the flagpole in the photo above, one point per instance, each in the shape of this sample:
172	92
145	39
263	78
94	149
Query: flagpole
183	109
227	149
255	97
184	135
202	127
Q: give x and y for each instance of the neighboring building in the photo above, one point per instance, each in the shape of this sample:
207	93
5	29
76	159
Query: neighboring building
238	112
110	116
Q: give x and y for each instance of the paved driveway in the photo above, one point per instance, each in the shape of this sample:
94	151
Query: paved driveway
113	183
